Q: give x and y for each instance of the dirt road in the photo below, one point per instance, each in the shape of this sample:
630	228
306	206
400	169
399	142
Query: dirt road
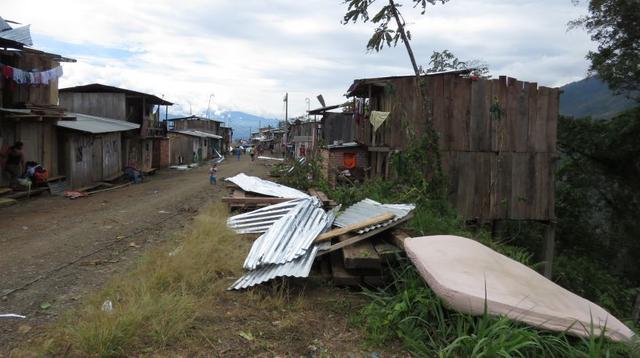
54	250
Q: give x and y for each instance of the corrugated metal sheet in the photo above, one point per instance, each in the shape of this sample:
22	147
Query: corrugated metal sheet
259	221
196	133
265	187
299	267
4	25
94	124
291	236
367	209
20	34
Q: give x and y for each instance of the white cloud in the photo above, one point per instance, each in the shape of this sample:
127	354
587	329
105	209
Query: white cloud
248	53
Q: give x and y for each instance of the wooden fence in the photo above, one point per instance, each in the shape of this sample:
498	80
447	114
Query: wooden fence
497	138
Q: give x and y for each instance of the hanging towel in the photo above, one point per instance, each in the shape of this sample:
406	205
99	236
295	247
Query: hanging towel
377	118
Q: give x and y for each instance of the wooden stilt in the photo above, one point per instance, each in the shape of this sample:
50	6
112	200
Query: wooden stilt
549	249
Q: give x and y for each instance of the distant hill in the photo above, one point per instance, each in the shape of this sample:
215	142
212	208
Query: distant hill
592	97
241	122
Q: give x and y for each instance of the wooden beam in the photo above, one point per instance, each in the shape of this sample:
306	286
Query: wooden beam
354	227
364	236
397	237
361	255
549	249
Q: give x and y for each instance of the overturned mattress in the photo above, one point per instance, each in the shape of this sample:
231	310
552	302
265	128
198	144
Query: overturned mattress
463	272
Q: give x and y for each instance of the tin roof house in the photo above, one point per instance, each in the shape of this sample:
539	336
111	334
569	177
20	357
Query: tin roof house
145	148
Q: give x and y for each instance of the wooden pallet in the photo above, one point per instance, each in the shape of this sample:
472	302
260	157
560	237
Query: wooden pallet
367	262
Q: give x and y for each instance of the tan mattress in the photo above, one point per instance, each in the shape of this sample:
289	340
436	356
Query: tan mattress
462	271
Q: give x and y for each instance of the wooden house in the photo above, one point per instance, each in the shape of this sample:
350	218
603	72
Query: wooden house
194	139
497	138
90	148
193	146
303	137
142	148
196	123
227	138
29	102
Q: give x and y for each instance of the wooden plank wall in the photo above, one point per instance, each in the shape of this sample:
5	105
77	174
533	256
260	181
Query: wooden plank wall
338	127
111	154
181	145
497	137
108	105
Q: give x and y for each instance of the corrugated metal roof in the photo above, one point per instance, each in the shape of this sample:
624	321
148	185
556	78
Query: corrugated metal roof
4	25
298	267
197	133
259	221
265	187
343	145
367	209
94	124
291	236
20	34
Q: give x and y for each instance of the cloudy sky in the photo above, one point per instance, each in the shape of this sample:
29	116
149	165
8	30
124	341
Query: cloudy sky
248	53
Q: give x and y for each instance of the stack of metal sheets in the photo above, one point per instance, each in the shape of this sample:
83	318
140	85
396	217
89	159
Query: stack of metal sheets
366	209
287	248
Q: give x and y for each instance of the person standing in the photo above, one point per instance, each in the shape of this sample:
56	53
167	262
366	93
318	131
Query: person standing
238	152
212	174
14	163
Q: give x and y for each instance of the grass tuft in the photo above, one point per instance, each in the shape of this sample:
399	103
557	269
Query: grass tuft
156	304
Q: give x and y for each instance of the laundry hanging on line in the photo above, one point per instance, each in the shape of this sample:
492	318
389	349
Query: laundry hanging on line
31	77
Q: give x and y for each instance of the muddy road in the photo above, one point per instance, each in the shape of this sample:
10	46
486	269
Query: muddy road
54	251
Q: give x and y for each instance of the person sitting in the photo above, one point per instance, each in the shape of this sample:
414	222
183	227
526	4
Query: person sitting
133	174
14	160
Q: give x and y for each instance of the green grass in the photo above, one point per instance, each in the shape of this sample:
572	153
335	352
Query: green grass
155	304
410	312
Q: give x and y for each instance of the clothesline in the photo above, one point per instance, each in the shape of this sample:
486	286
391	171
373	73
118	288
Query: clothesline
30	77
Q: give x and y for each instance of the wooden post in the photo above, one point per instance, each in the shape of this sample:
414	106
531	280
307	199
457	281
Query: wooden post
549	249
636	310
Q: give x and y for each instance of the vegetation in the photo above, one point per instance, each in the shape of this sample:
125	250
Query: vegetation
156	304
408	310
447	61
598	198
614	26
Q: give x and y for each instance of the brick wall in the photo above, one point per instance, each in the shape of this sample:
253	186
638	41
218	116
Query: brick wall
332	160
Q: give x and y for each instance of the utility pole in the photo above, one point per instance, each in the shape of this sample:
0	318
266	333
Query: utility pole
209	105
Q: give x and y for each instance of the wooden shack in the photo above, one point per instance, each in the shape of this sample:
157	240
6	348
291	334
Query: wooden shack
497	138
125	105
227	138
90	148
29	108
303	137
193	146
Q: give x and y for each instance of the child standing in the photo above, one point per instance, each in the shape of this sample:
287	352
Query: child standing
212	173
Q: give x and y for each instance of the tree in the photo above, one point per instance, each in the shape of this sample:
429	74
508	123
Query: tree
447	61
386	33
615	26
